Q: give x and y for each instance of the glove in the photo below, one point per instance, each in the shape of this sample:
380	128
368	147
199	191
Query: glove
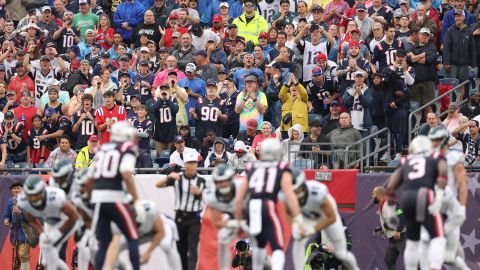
139	211
233	223
308	230
296	232
53	235
434	208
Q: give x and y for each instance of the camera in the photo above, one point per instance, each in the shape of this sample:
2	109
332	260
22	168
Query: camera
319	256
243	256
242	246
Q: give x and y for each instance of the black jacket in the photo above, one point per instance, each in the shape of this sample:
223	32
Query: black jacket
424	72
459	47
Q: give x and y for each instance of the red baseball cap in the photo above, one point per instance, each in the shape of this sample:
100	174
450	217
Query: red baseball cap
173	16
354	44
263	35
75	63
93	138
217	18
252	124
321	56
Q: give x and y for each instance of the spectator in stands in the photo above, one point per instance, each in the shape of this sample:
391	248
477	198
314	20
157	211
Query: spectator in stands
358	100
180	151
218	154
58	126
315	158
459	50
160	12
25	111
148	28
241	74
63	151
144	128
265	133
108	115
251	103
207	142
229	93
78	76
449	17
83	122
344	136
294	99
195	87
21	81
331	120
379	12
53	103
87	153
12	132
255	24
161	76
432	121
284	15
470	141
249	133
190	141
205	70
127	16
165	109
75	103
184	55
37	151
11	103
472	108
420	19
295	135
422	57
85	19
62	97
277	77
241	156
453	117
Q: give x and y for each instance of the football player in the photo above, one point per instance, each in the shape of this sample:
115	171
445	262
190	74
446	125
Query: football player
320	212
113	166
421	200
62	176
220	200
265	178
59	217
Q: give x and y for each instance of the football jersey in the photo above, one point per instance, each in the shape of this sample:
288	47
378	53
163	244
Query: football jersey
230	101
453	157
384	53
144	91
419	171
127	96
208	112
42	81
33	141
310	52
211	200
145	126
83	204
348	78
117	113
12	146
264	179
165	112
267	10
63	123
105	168
151	213
87	128
57	109
67	39
318	93
52	212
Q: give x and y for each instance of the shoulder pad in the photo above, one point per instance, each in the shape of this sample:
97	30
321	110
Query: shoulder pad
128	146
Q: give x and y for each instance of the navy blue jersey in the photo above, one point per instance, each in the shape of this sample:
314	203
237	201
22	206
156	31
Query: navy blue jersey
145	88
384	53
145	126
264	179
385	11
63	123
87	128
106	165
318	93
127	96
230	101
349	79
419	171
32	140
208	112
57	109
131	115
12	146
165	112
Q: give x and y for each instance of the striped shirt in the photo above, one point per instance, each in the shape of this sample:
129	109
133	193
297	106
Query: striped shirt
185	200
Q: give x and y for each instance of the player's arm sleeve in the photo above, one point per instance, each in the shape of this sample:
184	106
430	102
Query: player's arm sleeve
128	162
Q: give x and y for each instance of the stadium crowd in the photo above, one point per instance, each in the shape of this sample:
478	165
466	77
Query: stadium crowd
220	77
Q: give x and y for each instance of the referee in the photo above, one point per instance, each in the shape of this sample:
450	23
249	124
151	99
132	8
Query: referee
188	207
396	236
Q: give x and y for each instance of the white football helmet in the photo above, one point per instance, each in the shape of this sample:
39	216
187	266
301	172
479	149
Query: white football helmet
299	178
122	132
271	149
420	145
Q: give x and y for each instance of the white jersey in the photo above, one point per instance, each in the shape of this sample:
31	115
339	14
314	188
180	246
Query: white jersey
310	57
74	188
212	201
453	157
267	10
80	203
52	212
42	81
151	213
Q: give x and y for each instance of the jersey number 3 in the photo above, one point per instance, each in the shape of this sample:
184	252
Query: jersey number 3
418	168
257	180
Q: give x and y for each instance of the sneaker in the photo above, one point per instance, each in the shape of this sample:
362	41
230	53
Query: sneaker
385	157
398	156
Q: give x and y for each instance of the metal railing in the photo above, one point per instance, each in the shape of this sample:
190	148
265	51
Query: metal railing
433	101
365	142
309	159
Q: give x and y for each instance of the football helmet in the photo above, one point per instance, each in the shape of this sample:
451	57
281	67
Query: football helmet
420	145
271	149
122	132
33	186
62	173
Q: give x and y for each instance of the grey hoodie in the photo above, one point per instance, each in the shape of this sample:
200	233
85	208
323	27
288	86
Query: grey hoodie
295	148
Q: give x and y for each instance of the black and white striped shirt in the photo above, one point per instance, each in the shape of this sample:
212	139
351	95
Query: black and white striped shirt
185	200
